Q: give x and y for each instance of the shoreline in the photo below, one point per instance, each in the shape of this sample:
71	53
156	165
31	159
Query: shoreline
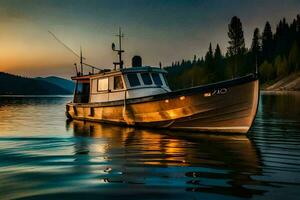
288	83
279	92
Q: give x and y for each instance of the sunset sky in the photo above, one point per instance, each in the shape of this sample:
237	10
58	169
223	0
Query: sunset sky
165	30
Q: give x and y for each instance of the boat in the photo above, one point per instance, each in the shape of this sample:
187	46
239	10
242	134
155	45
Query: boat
140	96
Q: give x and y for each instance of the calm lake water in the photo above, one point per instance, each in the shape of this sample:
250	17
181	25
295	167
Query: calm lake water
44	157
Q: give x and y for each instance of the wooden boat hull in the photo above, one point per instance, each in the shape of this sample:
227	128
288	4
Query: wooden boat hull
227	107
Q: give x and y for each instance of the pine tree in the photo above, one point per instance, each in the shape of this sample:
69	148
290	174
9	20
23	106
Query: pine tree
182	63
255	53
236	36
218	53
219	64
281	38
256	43
297	38
298	23
209	59
195	59
236	47
209	55
267	42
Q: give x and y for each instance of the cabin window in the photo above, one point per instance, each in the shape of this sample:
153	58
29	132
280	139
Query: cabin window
146	78
166	80
133	80
156	79
102	84
118	83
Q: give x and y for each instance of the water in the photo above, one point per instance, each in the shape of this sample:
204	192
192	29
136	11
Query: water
44	157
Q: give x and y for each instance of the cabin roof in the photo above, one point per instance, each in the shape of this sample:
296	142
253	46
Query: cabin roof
121	71
143	69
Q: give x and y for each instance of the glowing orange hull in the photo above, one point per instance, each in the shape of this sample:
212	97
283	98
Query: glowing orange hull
228	107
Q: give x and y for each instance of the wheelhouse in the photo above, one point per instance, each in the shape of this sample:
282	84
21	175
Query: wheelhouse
120	84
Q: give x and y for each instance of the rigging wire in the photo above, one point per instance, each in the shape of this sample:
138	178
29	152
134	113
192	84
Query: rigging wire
72	51
58	40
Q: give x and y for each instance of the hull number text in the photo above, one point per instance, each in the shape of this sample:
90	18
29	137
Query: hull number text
216	92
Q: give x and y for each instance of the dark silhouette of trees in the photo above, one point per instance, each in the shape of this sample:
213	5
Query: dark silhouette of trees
236	36
277	56
219	64
236	47
195	59
254	56
256	44
267	42
218	53
209	59
281	50
281	38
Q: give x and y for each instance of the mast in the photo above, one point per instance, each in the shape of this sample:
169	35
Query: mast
81	66
120	51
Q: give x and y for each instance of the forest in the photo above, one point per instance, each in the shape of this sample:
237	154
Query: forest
275	53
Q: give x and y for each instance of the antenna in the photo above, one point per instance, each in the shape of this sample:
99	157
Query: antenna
120	51
81	67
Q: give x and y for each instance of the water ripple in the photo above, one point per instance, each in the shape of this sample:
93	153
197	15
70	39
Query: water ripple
44	157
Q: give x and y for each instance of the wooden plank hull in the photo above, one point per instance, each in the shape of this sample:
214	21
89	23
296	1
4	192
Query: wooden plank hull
228	107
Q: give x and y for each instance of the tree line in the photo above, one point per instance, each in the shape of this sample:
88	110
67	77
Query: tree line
276	55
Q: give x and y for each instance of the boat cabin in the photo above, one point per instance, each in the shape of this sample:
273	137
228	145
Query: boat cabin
114	85
119	84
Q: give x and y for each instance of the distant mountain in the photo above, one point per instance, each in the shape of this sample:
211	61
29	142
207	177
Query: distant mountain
17	85
63	83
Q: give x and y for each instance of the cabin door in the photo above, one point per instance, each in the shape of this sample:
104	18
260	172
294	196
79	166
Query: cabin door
82	92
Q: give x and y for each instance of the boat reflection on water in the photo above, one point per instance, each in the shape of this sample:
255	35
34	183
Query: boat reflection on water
206	163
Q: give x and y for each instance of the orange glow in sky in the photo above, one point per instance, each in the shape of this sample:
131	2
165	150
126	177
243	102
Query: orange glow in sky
159	31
